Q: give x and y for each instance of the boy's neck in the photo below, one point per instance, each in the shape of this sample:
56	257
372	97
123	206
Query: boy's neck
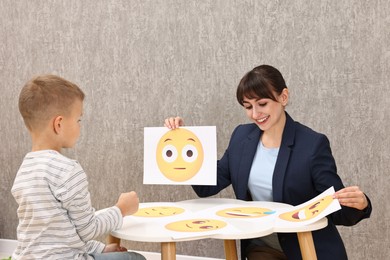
41	148
44	141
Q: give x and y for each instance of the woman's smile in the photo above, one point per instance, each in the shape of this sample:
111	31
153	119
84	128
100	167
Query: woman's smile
262	120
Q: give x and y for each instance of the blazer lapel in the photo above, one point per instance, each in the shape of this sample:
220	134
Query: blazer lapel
248	150
282	160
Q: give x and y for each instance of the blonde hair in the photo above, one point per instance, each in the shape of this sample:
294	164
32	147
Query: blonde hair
47	96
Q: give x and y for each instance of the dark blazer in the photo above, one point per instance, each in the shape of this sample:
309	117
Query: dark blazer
304	168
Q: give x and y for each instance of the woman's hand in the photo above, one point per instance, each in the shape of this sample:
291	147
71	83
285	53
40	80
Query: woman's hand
173	122
114	248
352	197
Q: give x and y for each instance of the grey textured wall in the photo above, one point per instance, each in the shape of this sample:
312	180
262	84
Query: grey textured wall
141	61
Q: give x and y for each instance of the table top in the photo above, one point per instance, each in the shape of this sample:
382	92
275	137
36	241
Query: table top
145	229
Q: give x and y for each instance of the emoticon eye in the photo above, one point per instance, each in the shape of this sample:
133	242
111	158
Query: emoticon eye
169	153
189	153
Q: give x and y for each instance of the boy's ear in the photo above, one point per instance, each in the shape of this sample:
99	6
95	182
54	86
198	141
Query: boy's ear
57	124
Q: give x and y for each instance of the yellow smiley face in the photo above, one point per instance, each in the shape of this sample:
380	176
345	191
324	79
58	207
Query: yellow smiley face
310	211
196	225
245	212
179	154
158	212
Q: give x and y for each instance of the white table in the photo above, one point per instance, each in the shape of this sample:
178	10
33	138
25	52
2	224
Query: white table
153	231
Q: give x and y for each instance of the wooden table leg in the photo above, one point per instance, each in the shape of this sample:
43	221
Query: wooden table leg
230	249
306	244
110	240
168	251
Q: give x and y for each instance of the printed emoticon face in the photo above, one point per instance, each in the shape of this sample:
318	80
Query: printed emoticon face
196	225
310	211
245	212
158	212
179	154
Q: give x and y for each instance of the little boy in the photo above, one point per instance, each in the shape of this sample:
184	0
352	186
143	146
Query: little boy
56	218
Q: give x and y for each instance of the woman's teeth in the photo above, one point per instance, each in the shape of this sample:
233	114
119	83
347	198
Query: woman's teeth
261	120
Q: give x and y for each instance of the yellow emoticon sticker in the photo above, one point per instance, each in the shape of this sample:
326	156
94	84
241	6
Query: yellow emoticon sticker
179	154
310	211
196	225
158	212
245	212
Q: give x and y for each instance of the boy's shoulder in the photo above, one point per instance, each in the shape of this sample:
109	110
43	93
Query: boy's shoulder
50	157
48	154
46	168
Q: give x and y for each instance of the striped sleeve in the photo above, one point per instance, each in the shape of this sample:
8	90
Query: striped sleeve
75	197
94	247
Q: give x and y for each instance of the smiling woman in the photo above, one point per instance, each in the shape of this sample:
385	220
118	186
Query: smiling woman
265	159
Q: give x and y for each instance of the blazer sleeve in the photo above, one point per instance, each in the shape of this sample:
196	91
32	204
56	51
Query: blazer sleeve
223	173
350	216
324	174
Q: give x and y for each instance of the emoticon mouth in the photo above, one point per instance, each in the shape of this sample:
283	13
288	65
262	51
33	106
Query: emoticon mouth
181	168
241	214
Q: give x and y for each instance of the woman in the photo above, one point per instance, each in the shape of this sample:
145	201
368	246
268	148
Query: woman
277	159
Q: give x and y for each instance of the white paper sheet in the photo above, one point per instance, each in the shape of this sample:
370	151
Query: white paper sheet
310	211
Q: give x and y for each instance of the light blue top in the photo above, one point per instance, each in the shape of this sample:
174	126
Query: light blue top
260	178
260	185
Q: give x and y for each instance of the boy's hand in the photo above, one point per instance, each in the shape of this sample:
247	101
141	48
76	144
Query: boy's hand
114	248
173	122
128	203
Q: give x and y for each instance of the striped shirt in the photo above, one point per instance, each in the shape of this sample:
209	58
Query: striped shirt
56	218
